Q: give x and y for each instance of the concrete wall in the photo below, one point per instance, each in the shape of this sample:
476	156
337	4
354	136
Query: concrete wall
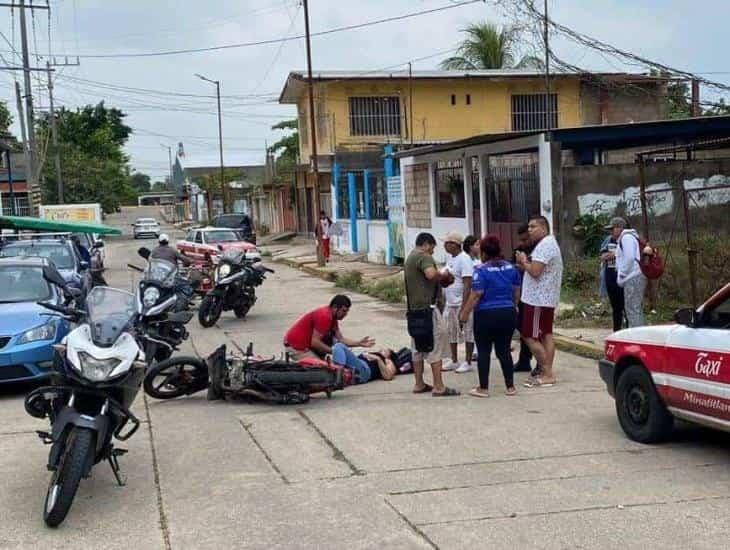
622	104
613	190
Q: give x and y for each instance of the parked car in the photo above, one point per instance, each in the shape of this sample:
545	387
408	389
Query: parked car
681	370
205	243
239	222
146	227
27	332
60	251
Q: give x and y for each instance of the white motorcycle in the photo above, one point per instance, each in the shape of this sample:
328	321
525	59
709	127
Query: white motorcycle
97	373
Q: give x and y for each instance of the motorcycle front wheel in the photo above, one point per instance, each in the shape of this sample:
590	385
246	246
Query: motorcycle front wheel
210	310
67	476
176	377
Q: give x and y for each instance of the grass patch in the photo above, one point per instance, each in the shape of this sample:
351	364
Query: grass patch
266	253
390	290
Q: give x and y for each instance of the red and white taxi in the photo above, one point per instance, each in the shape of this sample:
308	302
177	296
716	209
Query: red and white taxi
682	370
205	243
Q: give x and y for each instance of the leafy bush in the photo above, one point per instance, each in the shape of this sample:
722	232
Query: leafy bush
582	274
590	230
391	290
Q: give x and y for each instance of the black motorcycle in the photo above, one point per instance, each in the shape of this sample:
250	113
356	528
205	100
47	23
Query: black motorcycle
162	306
281	381
96	377
236	279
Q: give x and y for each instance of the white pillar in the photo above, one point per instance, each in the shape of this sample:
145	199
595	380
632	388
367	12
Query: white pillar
483	195
546	180
468	193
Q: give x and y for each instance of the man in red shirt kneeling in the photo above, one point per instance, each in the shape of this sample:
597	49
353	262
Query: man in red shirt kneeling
317	334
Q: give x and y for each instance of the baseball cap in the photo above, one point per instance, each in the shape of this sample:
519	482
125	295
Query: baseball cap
453	237
616	222
163	238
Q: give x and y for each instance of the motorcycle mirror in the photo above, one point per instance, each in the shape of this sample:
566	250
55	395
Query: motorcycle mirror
249	349
144	252
220	247
84	265
51	274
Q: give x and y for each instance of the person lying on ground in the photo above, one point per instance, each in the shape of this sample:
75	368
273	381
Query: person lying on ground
318	334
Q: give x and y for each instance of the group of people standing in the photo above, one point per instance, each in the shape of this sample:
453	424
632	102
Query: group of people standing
487	298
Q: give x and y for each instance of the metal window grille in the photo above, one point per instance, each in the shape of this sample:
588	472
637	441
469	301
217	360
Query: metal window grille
529	112
375	116
378	196
515	194
22	206
449	179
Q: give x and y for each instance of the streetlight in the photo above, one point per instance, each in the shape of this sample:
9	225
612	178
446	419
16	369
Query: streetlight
220	143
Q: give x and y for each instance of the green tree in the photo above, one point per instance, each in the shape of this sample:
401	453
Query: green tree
286	150
93	163
140	182
6	119
488	46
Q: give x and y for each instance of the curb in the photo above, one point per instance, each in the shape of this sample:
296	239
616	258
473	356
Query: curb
578	347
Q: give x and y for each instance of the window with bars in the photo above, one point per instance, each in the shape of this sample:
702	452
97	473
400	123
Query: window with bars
378	196
530	112
449	180
375	116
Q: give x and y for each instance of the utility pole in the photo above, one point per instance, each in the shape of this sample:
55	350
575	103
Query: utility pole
54	137
32	174
313	131
410	100
220	138
23	135
548	121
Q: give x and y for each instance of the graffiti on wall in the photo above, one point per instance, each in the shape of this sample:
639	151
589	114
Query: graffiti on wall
628	202
703	192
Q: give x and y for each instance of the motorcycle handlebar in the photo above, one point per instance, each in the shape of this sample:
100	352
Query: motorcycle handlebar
135	267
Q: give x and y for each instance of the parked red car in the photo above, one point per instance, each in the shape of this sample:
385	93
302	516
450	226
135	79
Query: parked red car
204	244
682	370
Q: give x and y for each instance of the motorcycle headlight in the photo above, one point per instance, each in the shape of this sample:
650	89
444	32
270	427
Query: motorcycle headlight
150	297
97	370
224	270
45	332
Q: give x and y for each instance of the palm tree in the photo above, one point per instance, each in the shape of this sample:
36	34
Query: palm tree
489	47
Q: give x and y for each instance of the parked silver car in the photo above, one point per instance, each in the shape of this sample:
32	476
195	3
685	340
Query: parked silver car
146	227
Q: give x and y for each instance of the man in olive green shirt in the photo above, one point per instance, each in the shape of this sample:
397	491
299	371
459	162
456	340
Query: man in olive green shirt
422	283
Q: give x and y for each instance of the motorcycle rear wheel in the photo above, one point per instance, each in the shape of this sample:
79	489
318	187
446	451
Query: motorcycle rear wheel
210	310
176	377
67	476
242	311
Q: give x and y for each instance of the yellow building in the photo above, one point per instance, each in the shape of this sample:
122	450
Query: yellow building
358	114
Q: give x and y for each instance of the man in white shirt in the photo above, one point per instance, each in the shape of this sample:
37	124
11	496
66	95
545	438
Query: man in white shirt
540	296
629	275
461	266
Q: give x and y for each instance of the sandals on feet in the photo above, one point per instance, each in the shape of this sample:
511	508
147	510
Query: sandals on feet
448	392
478	392
510	392
425	389
539	383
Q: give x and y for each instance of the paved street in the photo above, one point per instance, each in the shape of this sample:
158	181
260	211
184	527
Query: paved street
375	466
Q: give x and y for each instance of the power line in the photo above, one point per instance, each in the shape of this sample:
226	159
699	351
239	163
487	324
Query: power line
276	40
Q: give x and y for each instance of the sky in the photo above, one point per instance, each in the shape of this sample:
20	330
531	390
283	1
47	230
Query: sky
685	34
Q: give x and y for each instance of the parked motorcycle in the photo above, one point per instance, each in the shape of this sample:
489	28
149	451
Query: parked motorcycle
282	381
162	305
97	373
236	279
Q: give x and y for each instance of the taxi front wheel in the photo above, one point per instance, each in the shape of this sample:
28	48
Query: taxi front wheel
640	410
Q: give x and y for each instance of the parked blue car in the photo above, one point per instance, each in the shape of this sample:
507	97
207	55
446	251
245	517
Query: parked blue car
27	331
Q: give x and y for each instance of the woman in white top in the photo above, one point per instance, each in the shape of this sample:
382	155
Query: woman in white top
322	234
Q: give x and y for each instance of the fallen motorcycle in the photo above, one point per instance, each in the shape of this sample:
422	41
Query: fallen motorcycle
282	381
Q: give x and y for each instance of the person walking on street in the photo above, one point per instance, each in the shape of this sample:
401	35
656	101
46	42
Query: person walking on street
609	280
322	234
318	334
523	245
541	295
461	266
425	323
628	267
494	296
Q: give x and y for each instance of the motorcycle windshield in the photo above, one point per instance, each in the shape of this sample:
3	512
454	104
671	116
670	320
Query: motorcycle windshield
110	312
233	256
161	272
